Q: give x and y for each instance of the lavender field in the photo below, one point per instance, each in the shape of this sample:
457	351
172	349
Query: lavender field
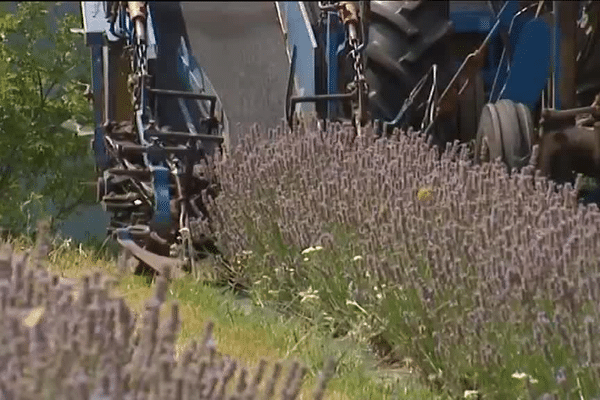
487	283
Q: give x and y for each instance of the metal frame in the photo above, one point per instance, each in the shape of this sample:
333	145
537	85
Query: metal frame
161	176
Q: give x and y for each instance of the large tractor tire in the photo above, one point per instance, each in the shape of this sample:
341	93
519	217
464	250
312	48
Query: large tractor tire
588	64
404	39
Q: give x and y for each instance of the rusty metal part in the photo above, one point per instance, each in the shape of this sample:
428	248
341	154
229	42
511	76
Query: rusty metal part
569	150
470	105
571	113
464	76
593	109
348	12
567	14
472	64
136	10
159	263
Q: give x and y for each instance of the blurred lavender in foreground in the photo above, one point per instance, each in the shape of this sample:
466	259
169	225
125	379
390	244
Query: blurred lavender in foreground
60	343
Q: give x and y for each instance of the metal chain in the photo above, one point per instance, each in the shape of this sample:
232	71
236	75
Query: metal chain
351	20
349	15
360	82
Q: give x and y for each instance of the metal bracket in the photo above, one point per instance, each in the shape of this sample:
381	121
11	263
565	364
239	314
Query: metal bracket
291	101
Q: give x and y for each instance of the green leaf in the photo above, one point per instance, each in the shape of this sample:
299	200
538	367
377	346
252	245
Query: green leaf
42	65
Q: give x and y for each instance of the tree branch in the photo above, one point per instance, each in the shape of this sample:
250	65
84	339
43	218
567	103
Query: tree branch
42	98
50	88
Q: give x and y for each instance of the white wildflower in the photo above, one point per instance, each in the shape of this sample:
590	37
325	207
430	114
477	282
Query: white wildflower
312	249
523	375
357	258
246	252
470	393
355	304
309	294
305	258
80	250
519	375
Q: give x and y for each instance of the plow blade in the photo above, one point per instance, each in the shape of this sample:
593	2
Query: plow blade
157	262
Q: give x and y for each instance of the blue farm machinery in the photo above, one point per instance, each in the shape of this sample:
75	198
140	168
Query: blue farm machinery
157	118
502	76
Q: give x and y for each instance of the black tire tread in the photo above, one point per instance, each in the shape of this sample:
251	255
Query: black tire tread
404	39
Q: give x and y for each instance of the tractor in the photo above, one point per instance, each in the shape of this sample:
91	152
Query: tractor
501	75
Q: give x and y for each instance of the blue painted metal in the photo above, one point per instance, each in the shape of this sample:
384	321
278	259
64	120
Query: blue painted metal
499	68
521	71
194	79
95	24
100	35
530	65
477	17
300	34
468	20
517	72
95	28
123	234
334	40
162	197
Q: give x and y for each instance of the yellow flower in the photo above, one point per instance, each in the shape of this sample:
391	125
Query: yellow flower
424	193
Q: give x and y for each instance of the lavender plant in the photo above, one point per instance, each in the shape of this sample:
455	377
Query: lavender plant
487	279
67	342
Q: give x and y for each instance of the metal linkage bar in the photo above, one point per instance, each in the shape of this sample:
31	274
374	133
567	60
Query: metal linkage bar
187	95
182	136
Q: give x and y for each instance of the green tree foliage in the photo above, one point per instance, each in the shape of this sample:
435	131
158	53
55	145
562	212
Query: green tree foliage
44	68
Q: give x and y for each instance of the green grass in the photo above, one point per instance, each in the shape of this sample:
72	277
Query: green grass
247	332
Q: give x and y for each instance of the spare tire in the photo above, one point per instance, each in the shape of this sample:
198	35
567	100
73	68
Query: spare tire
404	39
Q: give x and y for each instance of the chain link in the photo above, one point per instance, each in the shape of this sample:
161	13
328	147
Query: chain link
349	16
360	83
